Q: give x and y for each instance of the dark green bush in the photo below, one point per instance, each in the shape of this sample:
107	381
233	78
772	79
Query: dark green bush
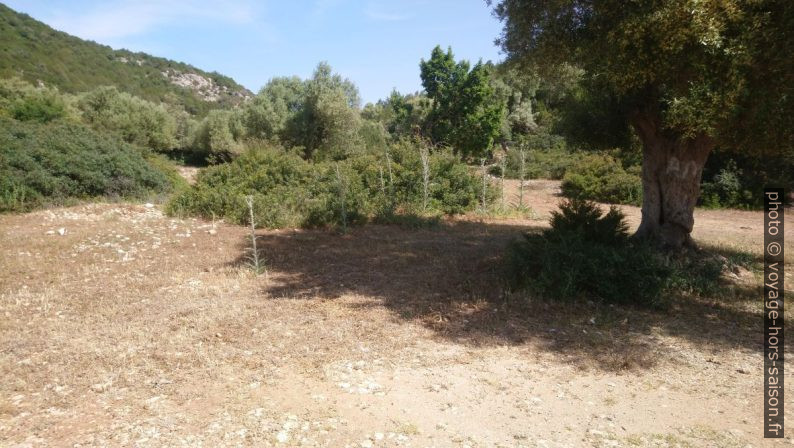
52	163
600	177
586	219
737	180
725	189
453	189
278	181
587	254
292	192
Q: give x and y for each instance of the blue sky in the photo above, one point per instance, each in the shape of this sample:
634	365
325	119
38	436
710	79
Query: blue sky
375	43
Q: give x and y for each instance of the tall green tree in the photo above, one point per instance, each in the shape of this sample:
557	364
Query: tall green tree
686	75
328	124
320	114
268	114
466	114
220	135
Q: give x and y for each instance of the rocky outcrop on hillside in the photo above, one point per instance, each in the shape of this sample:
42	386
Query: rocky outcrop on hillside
206	88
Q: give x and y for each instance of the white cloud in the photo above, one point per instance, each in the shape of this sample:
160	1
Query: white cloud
123	18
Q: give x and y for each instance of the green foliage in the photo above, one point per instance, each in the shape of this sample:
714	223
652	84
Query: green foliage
709	68
269	114
24	102
327	126
292	192
724	189
403	116
52	163
219	135
136	121
516	90
600	177
453	188
545	157
585	218
35	52
586	254
275	179
466	113
319	115
738	180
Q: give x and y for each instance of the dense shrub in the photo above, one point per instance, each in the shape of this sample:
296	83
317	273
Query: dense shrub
587	254
453	189
24	102
43	106
51	163
290	191
725	189
737	180
601	177
219	135
277	180
136	121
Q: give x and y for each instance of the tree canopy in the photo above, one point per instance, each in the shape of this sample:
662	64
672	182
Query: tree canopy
320	114
687	75
715	67
466	114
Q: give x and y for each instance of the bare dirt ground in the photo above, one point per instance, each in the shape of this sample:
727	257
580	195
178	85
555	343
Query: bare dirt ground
122	327
188	172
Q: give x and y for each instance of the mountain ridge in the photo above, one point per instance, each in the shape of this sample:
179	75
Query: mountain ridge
38	53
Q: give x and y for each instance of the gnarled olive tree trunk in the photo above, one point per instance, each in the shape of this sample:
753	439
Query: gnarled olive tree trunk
671	171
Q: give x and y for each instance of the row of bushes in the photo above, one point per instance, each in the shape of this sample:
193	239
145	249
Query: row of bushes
290	191
54	163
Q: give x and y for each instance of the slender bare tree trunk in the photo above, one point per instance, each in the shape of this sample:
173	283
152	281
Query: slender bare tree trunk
672	168
425	156
521	184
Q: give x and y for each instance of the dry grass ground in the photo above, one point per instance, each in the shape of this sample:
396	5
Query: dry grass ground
135	329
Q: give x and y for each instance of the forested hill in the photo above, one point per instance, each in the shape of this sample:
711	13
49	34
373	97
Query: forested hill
35	52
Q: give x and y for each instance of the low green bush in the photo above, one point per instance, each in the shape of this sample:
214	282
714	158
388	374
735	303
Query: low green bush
53	163
290	191
725	189
601	177
587	255
24	102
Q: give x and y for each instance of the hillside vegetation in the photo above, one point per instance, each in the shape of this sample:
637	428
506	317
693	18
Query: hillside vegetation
37	53
53	163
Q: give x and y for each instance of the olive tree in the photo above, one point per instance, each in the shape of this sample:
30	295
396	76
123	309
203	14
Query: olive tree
686	75
137	121
320	115
267	116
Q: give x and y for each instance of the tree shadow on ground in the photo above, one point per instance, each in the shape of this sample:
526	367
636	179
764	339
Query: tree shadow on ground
448	277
